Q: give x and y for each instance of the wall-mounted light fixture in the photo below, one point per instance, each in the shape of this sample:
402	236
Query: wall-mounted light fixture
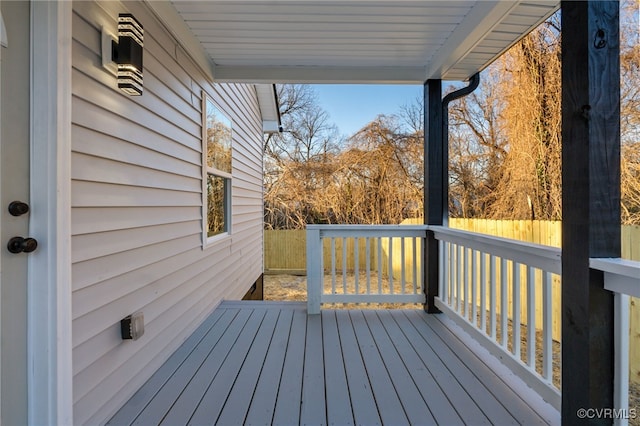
126	53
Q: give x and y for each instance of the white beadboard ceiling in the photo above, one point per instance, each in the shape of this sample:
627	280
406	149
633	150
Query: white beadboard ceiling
353	41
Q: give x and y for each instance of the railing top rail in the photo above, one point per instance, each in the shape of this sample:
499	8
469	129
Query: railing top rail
368	227
369	230
620	275
537	255
618	266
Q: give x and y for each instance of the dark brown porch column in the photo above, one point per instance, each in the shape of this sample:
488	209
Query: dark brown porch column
590	201
435	184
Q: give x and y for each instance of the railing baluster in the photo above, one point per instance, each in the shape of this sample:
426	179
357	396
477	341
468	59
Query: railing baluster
504	303
421	267
416	282
460	260
492	300
380	269
442	270
402	265
483	292
452	274
465	283
390	265
333	265
356	264
531	317
464	276
515	321
474	295
547	326
367	245
344	265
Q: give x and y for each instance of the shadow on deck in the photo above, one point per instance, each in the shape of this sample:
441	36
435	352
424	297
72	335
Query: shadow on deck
270	363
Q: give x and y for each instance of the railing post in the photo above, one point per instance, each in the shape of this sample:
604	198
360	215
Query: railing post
314	270
432	273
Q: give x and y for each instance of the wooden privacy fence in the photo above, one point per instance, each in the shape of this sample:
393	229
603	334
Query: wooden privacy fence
285	251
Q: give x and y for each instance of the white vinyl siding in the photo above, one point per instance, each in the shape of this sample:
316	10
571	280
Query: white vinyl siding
137	209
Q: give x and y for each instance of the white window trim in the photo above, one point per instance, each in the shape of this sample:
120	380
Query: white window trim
206	170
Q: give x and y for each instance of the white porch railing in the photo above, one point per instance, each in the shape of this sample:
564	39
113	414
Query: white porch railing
493	287
623	278
384	260
505	293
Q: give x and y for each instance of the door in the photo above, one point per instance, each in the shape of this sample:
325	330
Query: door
14	186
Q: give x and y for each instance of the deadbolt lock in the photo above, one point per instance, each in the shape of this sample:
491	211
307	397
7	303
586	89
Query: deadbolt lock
18	208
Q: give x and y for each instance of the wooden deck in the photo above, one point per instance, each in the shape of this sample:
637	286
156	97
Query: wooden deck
270	363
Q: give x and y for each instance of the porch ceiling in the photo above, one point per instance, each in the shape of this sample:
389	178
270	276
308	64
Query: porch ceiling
356	41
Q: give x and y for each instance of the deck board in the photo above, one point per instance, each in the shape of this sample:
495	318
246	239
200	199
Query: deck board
263	401
219	389
490	406
386	395
415	407
517	408
455	391
337	391
439	405
238	401
270	363
287	410
313	410
182	409
365	411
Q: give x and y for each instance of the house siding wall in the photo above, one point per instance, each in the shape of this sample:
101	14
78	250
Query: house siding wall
137	209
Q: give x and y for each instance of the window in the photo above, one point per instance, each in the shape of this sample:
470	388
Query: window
216	170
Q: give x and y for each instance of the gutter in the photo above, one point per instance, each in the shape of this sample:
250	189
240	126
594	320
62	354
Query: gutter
275	96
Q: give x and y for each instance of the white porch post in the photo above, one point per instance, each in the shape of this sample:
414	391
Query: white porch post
314	270
50	373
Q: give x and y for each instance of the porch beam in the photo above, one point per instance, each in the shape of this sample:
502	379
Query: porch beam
267	74
590	200
435	185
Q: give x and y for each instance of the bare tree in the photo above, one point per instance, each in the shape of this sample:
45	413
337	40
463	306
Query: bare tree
477	148
530	186
379	179
299	160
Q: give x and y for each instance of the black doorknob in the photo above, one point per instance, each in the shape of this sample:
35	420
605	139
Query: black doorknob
22	245
18	208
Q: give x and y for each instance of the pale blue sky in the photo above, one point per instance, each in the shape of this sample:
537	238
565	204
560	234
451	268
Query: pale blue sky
351	107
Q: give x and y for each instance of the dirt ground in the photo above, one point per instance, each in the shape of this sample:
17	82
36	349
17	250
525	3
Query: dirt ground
294	288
